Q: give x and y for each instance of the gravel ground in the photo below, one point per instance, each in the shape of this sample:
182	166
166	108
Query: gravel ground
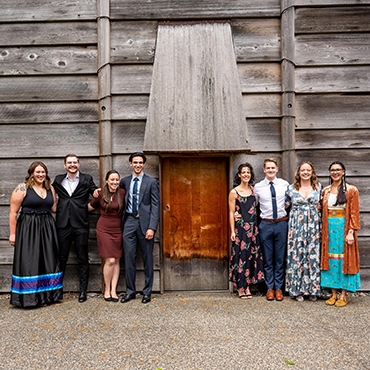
186	331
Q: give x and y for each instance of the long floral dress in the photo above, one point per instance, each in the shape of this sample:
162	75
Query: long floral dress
246	262
304	239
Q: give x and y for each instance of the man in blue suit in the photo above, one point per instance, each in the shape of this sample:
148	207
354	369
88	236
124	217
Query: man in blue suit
140	223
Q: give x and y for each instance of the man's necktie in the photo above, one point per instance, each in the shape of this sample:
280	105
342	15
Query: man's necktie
274	205
135	198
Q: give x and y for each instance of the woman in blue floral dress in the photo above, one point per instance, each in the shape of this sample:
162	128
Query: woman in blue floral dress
303	255
246	263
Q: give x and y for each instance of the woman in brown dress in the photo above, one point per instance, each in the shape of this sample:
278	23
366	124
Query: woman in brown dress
109	232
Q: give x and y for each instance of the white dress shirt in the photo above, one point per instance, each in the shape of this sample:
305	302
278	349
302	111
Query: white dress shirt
262	193
71	185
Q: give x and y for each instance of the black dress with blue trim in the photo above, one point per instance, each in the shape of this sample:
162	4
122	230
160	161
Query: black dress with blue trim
37	278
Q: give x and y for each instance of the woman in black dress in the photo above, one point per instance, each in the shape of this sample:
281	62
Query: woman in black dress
111	200
246	263
37	278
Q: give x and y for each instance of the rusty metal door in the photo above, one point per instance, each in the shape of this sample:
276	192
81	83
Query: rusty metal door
195	223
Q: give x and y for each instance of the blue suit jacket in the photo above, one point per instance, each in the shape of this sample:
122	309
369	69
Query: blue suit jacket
148	202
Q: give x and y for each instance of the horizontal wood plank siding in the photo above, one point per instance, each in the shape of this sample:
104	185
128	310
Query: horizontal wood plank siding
333	49
53	33
48	103
340	111
332	19
333	79
198	9
133	42
45	88
47	10
41	60
256	39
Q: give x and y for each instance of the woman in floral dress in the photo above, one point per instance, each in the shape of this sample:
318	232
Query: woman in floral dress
303	256
246	264
340	259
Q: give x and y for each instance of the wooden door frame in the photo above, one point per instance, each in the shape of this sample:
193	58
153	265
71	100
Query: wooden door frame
184	155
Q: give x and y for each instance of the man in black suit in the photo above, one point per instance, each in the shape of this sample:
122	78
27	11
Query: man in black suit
72	221
140	223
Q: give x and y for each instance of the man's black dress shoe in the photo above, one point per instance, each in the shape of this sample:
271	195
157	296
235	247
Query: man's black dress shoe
128	297
146	298
82	297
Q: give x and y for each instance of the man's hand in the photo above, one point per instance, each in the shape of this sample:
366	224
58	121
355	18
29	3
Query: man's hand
96	193
237	216
149	234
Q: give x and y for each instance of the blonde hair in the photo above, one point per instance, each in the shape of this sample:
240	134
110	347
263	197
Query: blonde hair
272	159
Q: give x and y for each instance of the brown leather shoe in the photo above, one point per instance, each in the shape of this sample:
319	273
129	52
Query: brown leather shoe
279	295
270	296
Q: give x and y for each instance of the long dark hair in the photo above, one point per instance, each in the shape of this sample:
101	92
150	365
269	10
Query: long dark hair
29	178
342	188
237	180
106	195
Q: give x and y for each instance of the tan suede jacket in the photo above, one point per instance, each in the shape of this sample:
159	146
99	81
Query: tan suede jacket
351	263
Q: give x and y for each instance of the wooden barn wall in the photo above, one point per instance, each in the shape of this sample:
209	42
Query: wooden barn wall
49	91
48	104
332	83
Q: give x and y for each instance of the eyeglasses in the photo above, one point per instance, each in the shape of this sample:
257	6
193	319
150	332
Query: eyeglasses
336	170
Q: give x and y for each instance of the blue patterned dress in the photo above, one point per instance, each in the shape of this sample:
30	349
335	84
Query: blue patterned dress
334	277
303	255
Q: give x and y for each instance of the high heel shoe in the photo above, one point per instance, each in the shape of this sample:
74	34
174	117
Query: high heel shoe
115	300
109	299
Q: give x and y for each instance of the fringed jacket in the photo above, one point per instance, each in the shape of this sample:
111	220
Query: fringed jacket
351	263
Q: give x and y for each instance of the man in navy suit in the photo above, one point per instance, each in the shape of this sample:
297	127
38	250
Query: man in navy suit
140	223
73	190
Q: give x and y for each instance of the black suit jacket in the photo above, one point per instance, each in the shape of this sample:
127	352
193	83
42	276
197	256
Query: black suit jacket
74	207
148	201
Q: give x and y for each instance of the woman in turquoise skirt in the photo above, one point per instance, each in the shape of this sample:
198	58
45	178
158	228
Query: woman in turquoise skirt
340	261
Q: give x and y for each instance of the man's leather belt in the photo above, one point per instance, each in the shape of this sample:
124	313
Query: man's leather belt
130	214
277	220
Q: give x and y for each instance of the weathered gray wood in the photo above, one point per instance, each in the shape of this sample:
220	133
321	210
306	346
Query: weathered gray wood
48	60
365	224
47	10
55	33
128	136
354	160
288	89
48	140
265	135
330	2
16	171
121	164
332	139
260	77
364	249
194	104
47	88
262	105
342	111
132	79
332	19
199	9
333	49
256	39
130	107
332	79
133	42
365	279
49	112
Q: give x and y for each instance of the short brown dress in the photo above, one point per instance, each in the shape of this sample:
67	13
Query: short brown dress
109	226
